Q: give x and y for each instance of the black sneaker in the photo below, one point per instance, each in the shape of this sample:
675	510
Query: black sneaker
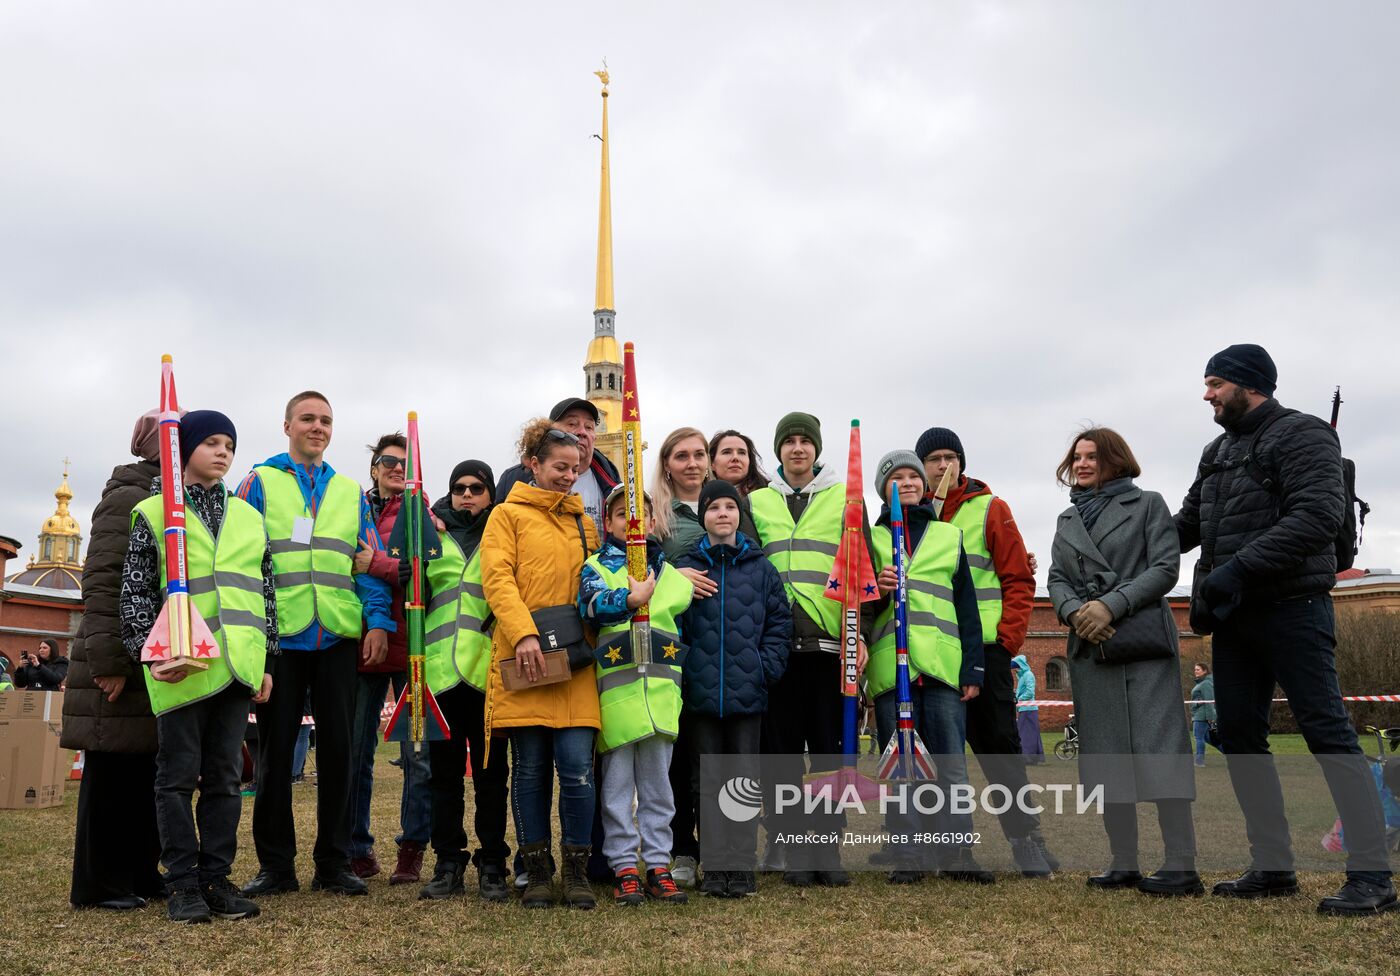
1357	897
715	884
800	879
1258	884
1029	859
964	867
741	884
187	905
340	882
833	879
271	883
1050	859
447	882
491	882
226	901
904	876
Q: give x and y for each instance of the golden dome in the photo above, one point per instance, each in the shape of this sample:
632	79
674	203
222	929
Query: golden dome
60	538
61	522
603	349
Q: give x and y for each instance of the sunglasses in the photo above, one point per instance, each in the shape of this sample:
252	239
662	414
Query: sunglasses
389	461
555	434
476	488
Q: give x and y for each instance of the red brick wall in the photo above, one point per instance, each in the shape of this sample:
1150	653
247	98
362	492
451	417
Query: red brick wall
1047	640
22	613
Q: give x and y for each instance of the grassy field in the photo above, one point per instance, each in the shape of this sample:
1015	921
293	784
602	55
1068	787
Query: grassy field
1017	926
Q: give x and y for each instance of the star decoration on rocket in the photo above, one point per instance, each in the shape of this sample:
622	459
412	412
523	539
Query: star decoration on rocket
203	649
634	525
629	395
157	649
833	584
632	413
869	589
394	551
614	655
432	552
671	650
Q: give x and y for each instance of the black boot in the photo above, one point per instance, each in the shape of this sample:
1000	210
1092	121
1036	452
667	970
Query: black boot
491	881
1172	884
1259	884
1358	897
1115	878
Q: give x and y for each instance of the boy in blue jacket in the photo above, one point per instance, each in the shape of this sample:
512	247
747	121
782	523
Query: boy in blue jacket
739	640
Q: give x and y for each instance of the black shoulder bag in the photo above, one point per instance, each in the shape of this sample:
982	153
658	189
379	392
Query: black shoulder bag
561	627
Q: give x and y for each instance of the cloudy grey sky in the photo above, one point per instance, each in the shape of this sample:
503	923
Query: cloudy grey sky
1009	219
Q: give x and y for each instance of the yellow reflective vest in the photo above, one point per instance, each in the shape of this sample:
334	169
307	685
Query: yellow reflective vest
971	518
935	647
803	552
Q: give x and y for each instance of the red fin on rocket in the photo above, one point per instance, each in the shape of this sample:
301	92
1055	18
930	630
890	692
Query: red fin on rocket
865	573
161	643
400	727
920	763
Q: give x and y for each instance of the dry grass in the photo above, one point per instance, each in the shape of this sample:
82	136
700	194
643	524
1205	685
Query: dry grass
1018	926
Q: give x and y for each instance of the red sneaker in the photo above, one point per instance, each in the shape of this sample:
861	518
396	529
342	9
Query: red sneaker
661	886
364	867
627	888
409	868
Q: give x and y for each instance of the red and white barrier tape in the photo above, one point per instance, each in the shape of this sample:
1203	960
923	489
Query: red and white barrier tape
1211	701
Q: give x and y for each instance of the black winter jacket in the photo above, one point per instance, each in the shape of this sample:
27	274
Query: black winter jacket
1281	541
740	637
42	677
90	721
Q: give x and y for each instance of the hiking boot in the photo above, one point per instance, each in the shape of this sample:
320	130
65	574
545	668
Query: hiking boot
1358	897
964	867
271	883
1115	878
341	882
447	881
491	881
627	888
800	879
715	884
538	875
409	868
742	884
226	901
1172	884
187	905
662	886
577	891
904	876
1029	860
365	867
833	879
1258	884
684	871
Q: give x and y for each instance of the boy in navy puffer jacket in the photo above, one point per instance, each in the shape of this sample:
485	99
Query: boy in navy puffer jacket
739	640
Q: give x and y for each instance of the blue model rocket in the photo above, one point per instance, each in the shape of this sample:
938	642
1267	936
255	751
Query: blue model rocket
905	757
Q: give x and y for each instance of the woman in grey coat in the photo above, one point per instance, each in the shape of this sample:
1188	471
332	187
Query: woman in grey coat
1116	554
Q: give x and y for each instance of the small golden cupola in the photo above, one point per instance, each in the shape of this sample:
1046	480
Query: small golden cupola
56	564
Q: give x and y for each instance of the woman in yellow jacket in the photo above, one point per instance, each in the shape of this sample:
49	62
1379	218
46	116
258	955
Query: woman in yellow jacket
531	557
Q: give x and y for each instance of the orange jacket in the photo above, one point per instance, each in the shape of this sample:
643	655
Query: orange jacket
1008	551
531	558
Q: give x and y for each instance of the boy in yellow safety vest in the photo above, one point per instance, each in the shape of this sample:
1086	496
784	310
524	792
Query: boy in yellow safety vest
201	717
640	712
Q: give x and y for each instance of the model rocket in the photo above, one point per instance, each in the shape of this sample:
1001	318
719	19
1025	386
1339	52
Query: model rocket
416	704
635	499
853	583
905	757
180	642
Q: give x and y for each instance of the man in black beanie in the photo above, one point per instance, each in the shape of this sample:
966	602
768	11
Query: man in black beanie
1265	508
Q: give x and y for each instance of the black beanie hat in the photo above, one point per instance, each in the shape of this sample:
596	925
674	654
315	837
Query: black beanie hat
477	469
1246	365
941	439
714	489
798	422
199	425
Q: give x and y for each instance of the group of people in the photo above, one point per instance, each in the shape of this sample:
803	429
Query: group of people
301	592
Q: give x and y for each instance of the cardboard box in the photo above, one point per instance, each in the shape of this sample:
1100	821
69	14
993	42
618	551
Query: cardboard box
33	769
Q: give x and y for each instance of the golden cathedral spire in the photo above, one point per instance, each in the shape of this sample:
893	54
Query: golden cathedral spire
59	536
602	370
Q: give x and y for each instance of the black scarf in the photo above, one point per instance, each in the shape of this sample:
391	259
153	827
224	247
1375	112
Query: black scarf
1092	501
463	526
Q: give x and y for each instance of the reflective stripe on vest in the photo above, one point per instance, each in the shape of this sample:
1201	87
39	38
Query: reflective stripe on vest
225	585
803	553
935	646
458	648
632	706
971	517
314	581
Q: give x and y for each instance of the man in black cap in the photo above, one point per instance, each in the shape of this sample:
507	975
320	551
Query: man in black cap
580	418
1265	509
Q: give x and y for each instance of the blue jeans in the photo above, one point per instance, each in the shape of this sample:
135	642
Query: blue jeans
415	801
1201	730
535	752
940	718
303	746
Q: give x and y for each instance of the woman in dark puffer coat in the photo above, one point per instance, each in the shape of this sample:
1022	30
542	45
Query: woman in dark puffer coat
739	641
107	714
